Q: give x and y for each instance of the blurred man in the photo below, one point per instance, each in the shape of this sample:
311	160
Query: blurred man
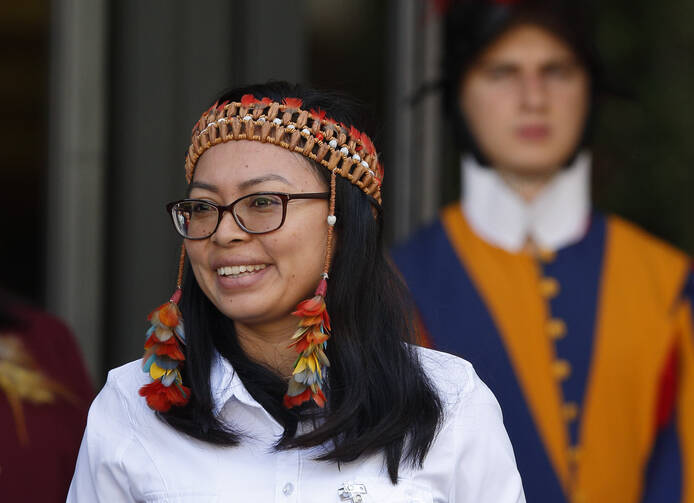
578	321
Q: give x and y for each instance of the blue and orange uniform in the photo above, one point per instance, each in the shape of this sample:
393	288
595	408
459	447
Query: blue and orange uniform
589	349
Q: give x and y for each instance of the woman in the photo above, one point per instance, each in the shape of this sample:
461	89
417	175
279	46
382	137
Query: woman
285	193
577	320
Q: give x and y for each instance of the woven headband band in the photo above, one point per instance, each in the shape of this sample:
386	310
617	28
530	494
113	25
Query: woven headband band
343	150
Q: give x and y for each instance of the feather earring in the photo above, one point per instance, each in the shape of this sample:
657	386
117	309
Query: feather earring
311	336
163	355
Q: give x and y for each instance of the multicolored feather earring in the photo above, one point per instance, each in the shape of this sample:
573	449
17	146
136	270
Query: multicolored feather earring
163	355
311	336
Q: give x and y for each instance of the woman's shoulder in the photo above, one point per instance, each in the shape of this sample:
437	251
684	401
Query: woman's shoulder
119	402
128	374
453	377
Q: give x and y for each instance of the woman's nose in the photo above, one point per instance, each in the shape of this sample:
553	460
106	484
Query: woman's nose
228	231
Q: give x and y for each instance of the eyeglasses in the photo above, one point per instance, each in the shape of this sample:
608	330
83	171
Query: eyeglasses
256	213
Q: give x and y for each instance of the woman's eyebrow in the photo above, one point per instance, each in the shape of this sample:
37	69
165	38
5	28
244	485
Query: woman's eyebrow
202	185
265	178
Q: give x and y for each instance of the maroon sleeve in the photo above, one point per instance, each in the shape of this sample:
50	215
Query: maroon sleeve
41	468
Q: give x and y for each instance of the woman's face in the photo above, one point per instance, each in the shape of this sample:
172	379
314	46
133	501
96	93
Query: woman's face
282	267
526	100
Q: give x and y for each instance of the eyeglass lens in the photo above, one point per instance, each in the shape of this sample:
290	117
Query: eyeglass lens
255	212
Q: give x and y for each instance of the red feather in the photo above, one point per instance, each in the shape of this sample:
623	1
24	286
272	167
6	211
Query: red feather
368	144
247	100
292	102
162	398
317	114
170	350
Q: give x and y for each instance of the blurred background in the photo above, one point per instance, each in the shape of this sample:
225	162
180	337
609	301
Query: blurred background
98	97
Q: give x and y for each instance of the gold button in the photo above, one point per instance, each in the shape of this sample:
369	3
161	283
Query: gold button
549	288
546	256
570	411
561	369
556	328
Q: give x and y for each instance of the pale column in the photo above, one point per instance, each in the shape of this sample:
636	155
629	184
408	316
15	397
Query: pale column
412	190
75	181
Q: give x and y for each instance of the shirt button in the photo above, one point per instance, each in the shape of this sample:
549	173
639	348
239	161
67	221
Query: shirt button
549	287
561	369
570	411
288	489
556	328
546	255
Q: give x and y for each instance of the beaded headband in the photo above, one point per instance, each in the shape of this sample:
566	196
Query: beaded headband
343	150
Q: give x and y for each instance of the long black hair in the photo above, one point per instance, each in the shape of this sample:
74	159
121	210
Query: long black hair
472	25
379	398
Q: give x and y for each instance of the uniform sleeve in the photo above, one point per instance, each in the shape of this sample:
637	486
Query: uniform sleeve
100	474
669	476
485	466
685	395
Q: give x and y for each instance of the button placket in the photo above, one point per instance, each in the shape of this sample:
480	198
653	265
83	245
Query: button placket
556	330
287	476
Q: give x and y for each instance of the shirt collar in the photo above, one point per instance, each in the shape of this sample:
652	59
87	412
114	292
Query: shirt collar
225	383
556	218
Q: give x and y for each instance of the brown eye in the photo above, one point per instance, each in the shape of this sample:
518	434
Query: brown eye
201	208
264	201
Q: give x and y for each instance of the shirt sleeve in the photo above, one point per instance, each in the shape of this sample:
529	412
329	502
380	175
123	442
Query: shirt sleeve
485	466
100	474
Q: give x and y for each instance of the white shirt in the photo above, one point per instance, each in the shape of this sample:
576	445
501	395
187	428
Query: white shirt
556	218
128	454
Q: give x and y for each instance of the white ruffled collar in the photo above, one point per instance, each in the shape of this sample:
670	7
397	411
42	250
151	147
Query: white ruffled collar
556	218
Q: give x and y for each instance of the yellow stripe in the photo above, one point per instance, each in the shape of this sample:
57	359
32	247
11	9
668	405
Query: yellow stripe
635	330
509	284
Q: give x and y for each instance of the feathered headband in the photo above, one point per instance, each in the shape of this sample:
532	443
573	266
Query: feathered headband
342	149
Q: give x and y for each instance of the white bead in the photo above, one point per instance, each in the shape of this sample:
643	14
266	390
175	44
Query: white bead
247	117
261	120
291	127
344	150
365	164
222	120
306	131
277	121
372	173
356	157
332	219
333	143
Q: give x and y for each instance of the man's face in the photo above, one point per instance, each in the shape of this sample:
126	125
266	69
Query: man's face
526	100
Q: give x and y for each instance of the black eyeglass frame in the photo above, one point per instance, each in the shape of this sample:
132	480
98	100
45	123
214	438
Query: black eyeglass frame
221	209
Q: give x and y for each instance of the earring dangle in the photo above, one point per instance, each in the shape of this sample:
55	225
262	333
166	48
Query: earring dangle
312	334
163	355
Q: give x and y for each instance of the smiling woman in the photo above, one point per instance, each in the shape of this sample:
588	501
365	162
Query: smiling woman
295	377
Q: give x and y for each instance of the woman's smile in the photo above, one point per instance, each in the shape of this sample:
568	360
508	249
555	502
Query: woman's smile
240	276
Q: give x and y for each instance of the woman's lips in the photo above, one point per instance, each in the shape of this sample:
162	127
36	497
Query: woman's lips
533	132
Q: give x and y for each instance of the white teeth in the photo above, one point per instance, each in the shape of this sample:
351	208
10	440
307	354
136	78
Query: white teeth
236	270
